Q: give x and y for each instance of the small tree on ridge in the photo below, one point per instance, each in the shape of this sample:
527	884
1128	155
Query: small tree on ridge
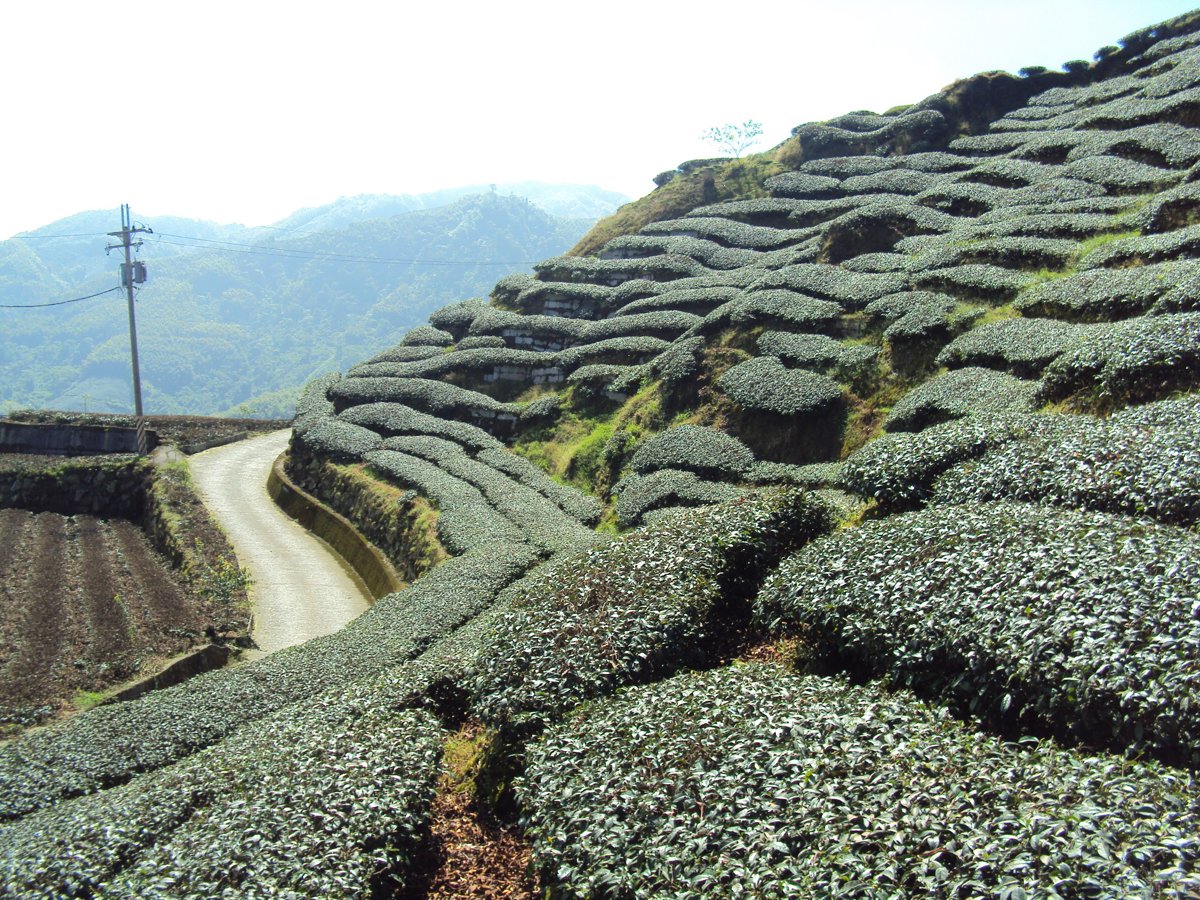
734	138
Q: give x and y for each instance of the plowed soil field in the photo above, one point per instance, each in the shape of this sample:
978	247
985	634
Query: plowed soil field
85	603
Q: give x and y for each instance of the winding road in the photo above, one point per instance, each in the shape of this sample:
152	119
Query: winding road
300	588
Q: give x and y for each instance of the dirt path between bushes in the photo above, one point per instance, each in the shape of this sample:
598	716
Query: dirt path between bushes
301	589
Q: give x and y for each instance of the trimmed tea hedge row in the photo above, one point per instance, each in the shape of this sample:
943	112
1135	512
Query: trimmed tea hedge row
752	782
639	495
406	353
970	391
110	744
705	451
537	519
437	397
816	351
313	404
1146	358
325	800
572	501
1122	176
680	362
895	306
724	232
458	360
765	384
1075	623
466	520
427	336
637	608
900	469
773	307
697	300
456	318
1117	464
1022	347
1106	294
850	290
710	254
334	439
395	419
1142	250
994	284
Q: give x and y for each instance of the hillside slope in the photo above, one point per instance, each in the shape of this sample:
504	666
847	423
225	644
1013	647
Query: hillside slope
227	317
894	593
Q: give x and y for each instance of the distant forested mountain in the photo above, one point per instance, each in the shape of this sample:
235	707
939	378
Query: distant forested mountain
236	318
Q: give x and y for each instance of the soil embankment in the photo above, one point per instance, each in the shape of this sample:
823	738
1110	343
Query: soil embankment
300	589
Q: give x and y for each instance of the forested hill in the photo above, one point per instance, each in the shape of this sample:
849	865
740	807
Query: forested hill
240	318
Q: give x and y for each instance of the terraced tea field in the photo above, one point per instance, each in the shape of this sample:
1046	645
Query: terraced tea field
84	604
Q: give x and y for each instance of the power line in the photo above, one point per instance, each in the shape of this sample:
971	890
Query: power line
296	253
57	302
50	237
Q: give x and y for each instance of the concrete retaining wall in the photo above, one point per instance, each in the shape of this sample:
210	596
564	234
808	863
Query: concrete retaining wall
336	530
70	440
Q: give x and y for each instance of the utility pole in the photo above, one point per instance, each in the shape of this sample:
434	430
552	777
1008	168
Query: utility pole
131	274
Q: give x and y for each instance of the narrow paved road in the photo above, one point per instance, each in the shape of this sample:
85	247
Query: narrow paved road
301	588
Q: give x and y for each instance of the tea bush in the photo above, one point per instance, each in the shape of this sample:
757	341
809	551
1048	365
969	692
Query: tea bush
705	451
639	495
748	781
763	383
1105	294
1117	464
427	336
1022	347
394	419
962	392
1139	359
1076	623
637	608
110	744
773	307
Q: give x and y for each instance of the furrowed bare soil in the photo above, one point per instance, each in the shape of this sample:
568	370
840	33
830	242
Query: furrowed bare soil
85	604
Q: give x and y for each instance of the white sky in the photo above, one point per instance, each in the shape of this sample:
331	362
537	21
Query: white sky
245	111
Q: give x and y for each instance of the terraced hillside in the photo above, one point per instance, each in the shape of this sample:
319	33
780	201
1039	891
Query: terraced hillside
838	539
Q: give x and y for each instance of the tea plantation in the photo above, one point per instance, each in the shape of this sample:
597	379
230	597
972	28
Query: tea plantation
827	526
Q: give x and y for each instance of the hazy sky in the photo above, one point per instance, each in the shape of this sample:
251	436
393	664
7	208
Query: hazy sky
245	111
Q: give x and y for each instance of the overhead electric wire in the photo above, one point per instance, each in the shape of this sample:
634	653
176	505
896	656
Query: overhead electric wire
57	302
287	252
50	237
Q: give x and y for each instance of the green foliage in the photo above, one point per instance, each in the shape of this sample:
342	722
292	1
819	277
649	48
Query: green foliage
749	781
1074	623
733	137
634	609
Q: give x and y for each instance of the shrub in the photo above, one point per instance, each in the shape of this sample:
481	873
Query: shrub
1120	464
680	362
639	495
803	186
617	351
395	419
724	232
1135	360
900	469
313	404
963	392
634	609
427	336
708	253
1074	623
328	781
1141	250
749	781
851	290
337	440
701	300
705	451
1021	346
480	342
108	745
572	501
763	383
975	280
893	307
1105	294
436	397
456	318
405	353
1121	176
773	307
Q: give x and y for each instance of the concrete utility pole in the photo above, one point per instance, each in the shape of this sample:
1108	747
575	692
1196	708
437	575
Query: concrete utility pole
132	273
